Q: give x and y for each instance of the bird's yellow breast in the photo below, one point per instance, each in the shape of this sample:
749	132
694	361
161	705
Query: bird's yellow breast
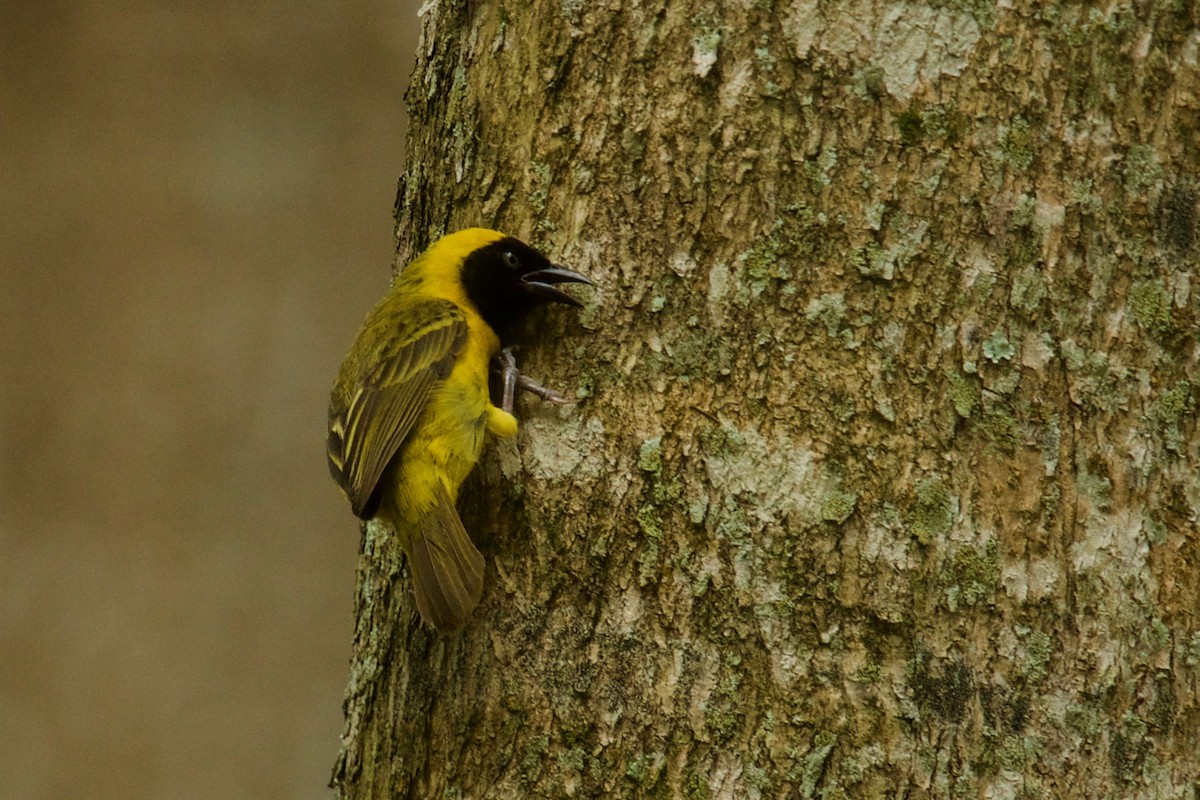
449	435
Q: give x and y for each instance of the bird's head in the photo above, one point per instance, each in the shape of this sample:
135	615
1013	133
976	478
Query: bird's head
506	279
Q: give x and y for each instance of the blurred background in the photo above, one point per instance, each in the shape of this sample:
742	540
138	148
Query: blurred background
195	216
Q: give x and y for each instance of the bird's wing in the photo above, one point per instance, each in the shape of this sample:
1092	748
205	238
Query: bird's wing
373	409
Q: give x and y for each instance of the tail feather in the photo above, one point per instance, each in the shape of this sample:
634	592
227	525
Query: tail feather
447	568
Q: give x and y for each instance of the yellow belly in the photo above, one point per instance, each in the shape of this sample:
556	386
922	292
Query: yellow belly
447	439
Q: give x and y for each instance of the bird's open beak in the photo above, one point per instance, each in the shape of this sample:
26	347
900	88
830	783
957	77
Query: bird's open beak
542	283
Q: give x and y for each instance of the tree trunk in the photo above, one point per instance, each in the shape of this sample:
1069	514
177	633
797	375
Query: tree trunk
885	479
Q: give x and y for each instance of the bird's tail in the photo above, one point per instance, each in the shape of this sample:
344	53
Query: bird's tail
447	569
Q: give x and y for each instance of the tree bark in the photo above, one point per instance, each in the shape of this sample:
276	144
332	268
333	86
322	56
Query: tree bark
885	477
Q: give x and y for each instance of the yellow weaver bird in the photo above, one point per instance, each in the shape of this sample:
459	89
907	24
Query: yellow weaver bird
411	405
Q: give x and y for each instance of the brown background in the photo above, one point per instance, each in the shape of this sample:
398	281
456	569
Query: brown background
194	216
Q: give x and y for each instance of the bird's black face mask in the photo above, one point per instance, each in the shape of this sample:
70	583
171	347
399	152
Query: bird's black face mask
508	279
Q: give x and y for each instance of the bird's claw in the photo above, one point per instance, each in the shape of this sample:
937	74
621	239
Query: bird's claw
548	395
514	380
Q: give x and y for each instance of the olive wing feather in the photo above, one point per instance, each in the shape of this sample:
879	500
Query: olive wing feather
380	394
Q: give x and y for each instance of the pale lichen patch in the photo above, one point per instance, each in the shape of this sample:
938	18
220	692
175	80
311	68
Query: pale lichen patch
739	81
913	43
1114	538
802	23
718	289
1031	580
1037	350
555	448
705	48
781	475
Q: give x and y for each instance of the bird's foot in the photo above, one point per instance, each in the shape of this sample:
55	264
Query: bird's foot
512	380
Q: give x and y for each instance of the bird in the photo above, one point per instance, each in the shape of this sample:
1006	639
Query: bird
411	408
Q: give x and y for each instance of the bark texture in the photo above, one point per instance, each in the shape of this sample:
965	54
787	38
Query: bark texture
885	477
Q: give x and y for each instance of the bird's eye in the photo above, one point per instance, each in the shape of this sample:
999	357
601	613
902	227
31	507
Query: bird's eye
510	259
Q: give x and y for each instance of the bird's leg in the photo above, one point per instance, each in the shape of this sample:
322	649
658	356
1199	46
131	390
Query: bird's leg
509	375
513	380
